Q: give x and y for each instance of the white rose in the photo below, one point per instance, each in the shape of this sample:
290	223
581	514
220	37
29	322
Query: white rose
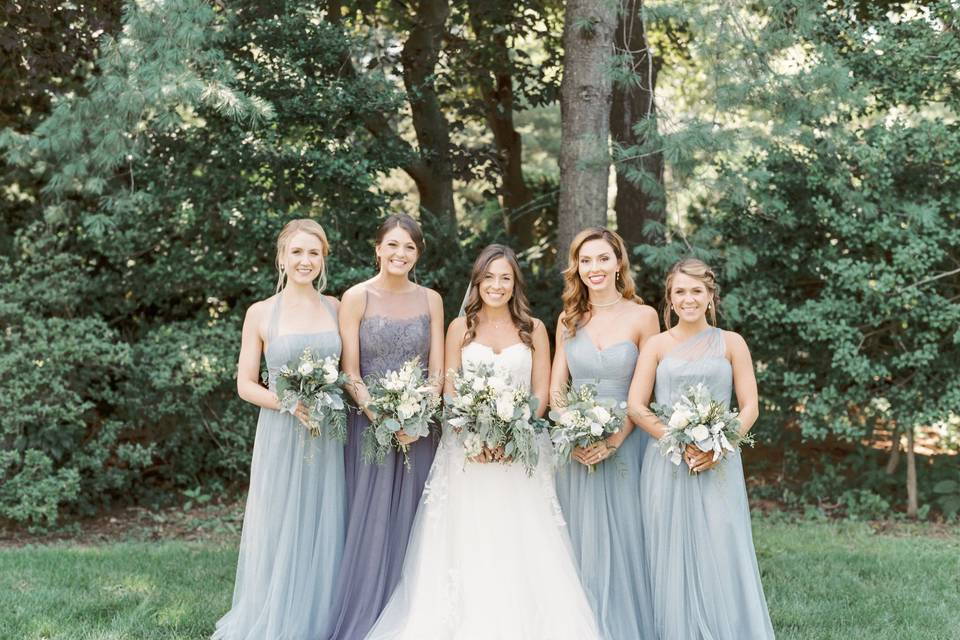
680	418
596	428
467	400
601	414
330	374
407	410
699	433
505	407
568	418
478	384
305	368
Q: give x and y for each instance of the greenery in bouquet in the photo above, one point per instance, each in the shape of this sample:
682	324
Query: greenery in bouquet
400	400
317	384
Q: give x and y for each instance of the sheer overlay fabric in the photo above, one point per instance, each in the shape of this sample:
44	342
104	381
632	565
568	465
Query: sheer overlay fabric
706	583
382	499
295	517
603	508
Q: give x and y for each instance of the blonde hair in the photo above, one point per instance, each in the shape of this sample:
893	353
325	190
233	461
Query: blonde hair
576	300
695	268
305	225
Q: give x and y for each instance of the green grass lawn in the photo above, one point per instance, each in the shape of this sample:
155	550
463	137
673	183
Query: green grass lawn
822	581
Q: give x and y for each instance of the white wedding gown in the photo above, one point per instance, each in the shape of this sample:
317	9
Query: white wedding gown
489	557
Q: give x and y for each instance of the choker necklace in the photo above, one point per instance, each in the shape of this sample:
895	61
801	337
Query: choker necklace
606	304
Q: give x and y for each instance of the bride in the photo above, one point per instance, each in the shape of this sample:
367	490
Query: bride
489	555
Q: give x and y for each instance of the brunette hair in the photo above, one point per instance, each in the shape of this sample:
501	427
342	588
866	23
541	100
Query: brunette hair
306	225
576	300
408	224
518	305
695	268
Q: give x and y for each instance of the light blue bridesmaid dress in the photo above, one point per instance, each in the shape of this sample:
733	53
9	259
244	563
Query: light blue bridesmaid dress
295	520
704	573
603	508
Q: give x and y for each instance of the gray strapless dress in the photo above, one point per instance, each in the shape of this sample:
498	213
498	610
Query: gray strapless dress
706	583
603	508
295	518
382	499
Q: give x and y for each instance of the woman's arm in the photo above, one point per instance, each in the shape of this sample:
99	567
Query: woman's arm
435	366
540	376
248	364
351	312
641	390
744	381
559	372
452	353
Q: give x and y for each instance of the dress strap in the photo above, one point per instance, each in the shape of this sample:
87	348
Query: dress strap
330	308
274	325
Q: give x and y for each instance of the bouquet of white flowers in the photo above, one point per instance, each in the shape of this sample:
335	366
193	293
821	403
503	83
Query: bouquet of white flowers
584	420
317	384
491	411
399	400
698	419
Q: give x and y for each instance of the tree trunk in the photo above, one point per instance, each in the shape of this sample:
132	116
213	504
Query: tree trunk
585	96
632	102
429	166
420	54
912	504
894	460
495	82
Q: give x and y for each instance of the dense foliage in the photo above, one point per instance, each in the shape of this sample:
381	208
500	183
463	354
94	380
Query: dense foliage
145	182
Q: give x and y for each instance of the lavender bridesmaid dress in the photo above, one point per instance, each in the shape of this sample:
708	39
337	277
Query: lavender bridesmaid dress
382	499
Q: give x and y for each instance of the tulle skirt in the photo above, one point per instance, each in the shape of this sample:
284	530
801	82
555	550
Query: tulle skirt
382	502
293	535
603	514
703	568
489	559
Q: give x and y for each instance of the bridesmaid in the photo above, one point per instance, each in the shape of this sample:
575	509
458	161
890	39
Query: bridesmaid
295	519
599	333
697	527
384	322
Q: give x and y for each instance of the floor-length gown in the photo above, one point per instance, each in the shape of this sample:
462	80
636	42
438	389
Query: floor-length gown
295	518
489	556
602	508
381	499
697	527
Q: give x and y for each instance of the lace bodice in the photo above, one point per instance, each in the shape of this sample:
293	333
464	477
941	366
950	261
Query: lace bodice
394	329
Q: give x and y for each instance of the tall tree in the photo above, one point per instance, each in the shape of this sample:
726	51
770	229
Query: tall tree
639	175
585	97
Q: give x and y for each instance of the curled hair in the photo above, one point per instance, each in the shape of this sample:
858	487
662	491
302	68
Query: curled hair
292	228
518	305
695	268
576	299
408	224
